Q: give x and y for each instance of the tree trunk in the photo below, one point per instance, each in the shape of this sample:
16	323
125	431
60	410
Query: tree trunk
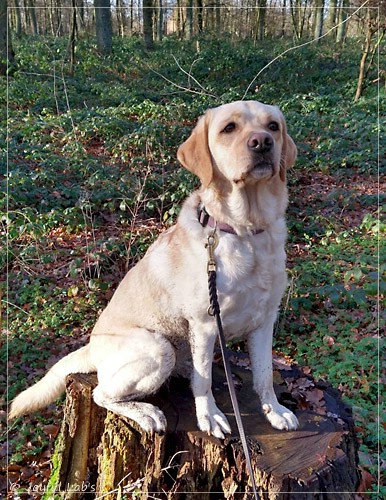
283	18
72	38
52	20
295	16
131	16
200	16
318	28
80	11
19	24
148	23
332	8
342	16
121	17
189	19
104	29
102	453
370	31
262	8
7	56
217	17
181	20
160	21
30	8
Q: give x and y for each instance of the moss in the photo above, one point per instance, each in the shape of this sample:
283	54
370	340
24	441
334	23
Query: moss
53	486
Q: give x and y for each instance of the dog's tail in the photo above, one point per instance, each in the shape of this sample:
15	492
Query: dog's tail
53	384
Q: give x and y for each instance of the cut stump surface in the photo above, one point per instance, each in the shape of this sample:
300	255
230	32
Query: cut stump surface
99	452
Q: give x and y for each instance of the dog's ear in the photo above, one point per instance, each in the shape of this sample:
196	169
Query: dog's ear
194	153
288	153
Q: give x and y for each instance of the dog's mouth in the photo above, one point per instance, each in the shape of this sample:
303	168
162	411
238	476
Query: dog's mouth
261	163
262	166
256	168
260	170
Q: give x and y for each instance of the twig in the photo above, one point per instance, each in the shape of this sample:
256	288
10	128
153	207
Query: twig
139	202
285	307
374	51
189	75
170	466
85	207
11	304
185	89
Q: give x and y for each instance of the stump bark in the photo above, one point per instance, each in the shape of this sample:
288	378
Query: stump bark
100	453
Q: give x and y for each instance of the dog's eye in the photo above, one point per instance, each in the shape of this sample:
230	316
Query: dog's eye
274	126
229	128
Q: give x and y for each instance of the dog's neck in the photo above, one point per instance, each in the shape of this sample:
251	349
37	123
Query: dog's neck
247	208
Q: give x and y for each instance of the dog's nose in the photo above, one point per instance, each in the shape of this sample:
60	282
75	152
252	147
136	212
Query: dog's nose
261	142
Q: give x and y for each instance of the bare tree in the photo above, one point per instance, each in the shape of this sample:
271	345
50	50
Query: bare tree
104	29
121	17
262	8
148	8
319	13
374	36
17	13
283	18
298	14
332	13
200	15
7	55
189	19
72	37
80	11
160	20
239	18
342	16
31	15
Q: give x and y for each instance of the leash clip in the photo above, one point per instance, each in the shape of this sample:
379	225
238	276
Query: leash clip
210	245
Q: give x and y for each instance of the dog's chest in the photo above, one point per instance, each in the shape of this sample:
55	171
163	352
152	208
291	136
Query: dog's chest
250	281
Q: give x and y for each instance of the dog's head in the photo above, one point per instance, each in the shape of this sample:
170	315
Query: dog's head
243	142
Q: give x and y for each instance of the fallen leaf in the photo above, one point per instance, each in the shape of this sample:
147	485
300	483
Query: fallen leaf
14	468
330	341
51	430
26	473
304	383
277	378
315	396
366	481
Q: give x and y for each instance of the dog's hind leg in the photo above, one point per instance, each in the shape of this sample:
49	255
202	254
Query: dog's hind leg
137	367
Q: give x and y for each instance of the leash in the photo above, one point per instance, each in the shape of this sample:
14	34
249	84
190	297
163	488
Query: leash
214	310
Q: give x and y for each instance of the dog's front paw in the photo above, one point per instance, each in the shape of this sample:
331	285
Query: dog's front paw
210	419
280	417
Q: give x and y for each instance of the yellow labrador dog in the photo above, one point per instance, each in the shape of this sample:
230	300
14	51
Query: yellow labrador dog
157	322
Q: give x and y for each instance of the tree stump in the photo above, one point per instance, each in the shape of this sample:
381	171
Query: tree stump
100	453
